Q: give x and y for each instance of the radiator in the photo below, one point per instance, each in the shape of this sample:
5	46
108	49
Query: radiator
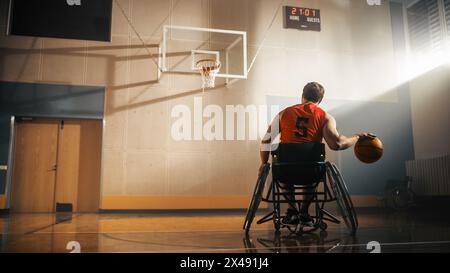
430	177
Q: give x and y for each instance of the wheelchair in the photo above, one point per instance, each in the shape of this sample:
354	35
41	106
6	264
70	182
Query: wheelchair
302	168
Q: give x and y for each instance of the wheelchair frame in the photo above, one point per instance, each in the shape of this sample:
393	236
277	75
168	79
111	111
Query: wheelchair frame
338	193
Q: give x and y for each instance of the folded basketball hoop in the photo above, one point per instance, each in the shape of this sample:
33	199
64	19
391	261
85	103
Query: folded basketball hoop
208	69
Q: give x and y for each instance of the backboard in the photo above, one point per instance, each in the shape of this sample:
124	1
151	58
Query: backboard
182	46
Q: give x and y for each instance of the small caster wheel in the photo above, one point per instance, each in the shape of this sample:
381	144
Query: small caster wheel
323	226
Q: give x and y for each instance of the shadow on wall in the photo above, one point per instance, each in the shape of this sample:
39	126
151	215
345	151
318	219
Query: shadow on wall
112	61
65	99
391	122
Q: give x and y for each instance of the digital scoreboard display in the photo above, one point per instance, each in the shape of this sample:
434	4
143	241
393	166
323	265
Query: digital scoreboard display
301	18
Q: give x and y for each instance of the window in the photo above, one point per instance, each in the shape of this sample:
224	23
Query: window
447	17
425	26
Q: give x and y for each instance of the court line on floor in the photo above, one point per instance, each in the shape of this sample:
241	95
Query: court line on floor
198	248
145	231
337	229
334	229
409	243
212	249
332	247
33	231
38	230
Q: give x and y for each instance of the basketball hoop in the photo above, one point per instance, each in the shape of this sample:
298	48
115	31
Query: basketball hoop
208	69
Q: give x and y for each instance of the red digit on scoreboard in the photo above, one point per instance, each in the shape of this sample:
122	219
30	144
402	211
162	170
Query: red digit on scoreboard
314	12
307	12
294	11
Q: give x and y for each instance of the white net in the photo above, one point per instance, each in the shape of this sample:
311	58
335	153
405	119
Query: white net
208	69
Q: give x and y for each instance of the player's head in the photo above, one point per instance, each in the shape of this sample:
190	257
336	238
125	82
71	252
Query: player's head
313	92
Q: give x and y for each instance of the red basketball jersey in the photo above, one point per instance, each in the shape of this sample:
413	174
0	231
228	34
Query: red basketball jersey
302	123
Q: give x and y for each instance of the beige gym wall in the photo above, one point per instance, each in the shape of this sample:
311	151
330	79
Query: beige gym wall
430	113
143	167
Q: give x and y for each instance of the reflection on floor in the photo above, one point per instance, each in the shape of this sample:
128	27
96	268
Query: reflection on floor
217	232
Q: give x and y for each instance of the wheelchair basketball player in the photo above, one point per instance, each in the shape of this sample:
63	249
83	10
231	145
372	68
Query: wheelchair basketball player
305	122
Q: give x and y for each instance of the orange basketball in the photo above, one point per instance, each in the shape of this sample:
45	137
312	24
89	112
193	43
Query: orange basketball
369	149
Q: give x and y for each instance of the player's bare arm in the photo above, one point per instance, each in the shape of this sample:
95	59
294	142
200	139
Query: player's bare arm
336	141
264	154
267	141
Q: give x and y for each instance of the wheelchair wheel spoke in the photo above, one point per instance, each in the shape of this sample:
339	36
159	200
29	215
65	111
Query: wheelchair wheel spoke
347	198
256	198
342	197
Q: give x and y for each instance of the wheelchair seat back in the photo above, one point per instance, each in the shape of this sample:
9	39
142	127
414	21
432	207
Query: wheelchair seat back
299	163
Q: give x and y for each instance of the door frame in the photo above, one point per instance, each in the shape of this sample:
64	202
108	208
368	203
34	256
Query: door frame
12	139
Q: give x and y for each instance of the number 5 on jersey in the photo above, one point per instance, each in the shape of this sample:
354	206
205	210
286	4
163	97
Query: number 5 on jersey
300	125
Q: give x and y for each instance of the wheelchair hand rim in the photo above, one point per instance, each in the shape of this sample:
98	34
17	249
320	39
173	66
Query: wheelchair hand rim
343	199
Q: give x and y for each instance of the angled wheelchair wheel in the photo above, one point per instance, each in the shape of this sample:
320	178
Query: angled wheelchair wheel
343	198
256	198
344	201
348	199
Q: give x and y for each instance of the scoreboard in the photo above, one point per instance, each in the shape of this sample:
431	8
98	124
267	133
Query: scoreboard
301	18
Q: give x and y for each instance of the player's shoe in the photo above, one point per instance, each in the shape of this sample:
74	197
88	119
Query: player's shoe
306	220
291	218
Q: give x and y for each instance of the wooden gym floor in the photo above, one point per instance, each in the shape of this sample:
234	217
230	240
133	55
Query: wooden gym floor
414	231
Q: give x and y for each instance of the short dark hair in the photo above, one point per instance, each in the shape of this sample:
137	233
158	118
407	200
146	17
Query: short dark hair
313	92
